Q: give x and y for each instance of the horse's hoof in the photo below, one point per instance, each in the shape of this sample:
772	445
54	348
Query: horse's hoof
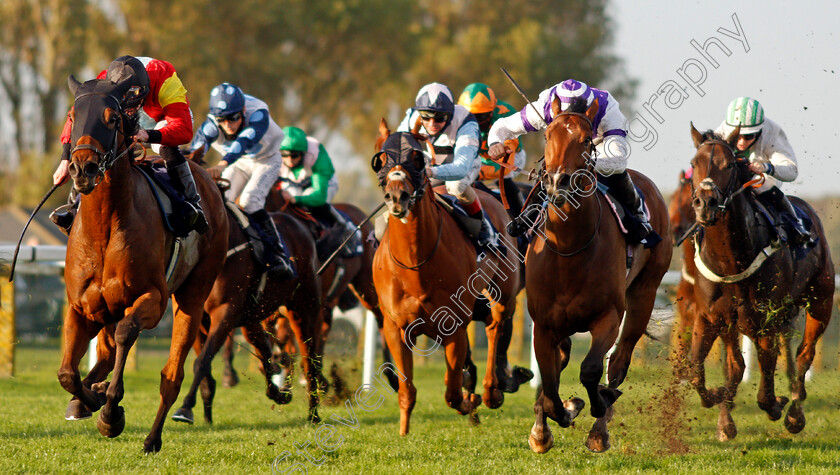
314	418
522	375
541	444
76	411
494	398
598	442
727	432
609	395
574	406
278	395
183	414
230	379
474	418
151	445
115	426
795	419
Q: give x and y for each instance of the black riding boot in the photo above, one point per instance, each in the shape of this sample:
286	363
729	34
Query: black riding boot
779	200
529	215
63	215
278	263
514	197
181	176
621	187
485	234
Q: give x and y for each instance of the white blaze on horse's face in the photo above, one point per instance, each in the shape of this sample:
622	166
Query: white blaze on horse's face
397	193
397	175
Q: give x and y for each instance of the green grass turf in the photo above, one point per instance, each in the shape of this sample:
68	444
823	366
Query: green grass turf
650	432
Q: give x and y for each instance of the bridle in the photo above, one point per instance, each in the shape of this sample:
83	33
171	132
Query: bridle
108	157
732	189
590	158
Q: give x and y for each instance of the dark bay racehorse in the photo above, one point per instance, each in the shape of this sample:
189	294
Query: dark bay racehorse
244	296
750	285
117	258
681	215
428	280
577	280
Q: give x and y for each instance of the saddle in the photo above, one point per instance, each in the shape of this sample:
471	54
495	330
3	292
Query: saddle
630	226
252	230
173	205
470	226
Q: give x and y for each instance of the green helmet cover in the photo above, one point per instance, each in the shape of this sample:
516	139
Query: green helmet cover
746	112
294	140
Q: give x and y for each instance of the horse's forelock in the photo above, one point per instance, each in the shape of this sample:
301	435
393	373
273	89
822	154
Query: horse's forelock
578	105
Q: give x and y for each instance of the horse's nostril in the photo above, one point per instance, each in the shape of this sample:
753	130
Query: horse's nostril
73	170
697	202
713	202
387	196
403	196
91	169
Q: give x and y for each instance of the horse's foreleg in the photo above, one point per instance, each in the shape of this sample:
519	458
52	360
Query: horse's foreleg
184	330
404	360
734	371
548	403
681	331
767	354
105	356
703	338
256	336
230	377
604	333
217	334
456	350
78	331
307	331
493	396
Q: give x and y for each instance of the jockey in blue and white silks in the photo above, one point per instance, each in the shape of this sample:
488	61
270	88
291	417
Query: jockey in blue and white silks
609	134
241	129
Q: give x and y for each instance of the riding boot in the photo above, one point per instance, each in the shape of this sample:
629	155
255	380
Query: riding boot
529	215
514	197
780	201
181	176
278	263
485	234
63	215
621	187
354	245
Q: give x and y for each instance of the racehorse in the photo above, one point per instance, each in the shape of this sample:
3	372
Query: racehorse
748	283
422	270
244	296
116	265
579	234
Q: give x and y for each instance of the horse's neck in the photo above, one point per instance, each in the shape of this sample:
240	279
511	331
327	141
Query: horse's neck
110	199
572	227
735	239
415	237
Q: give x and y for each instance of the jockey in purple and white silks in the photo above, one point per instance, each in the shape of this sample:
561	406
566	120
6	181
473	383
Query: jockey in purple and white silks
765	146
455	139
241	129
609	134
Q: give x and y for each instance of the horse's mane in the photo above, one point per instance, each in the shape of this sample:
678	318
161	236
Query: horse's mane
578	105
711	135
397	149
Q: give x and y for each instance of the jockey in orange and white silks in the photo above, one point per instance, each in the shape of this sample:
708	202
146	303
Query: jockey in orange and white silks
608	130
765	146
454	136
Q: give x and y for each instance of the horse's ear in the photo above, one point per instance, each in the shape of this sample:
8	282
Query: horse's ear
384	130
418	160
682	179
378	161
696	136
592	111
732	138
73	84
556	109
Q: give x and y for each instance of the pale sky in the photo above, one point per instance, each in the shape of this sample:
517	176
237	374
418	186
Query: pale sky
792	68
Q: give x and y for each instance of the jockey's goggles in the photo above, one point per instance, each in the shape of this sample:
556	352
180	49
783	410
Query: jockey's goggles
229	118
290	154
435	116
749	137
134	97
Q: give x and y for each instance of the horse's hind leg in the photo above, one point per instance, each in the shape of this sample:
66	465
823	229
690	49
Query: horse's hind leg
404	361
307	330
78	332
230	377
256	335
816	320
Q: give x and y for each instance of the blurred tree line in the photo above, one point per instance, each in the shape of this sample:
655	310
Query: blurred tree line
327	66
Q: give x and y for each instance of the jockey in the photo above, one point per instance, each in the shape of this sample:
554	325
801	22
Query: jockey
608	132
455	136
307	179
240	128
765	146
158	93
481	101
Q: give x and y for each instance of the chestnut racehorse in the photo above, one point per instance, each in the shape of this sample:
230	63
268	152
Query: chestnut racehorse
428	279
244	296
750	284
577	279
117	258
681	215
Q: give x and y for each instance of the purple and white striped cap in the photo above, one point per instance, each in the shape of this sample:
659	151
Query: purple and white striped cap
569	89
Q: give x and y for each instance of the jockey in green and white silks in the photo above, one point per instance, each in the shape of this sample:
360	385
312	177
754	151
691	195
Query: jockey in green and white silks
455	140
608	132
241	129
765	146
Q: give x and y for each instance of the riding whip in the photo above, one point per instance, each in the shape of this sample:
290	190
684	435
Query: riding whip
522	93
347	239
20	239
